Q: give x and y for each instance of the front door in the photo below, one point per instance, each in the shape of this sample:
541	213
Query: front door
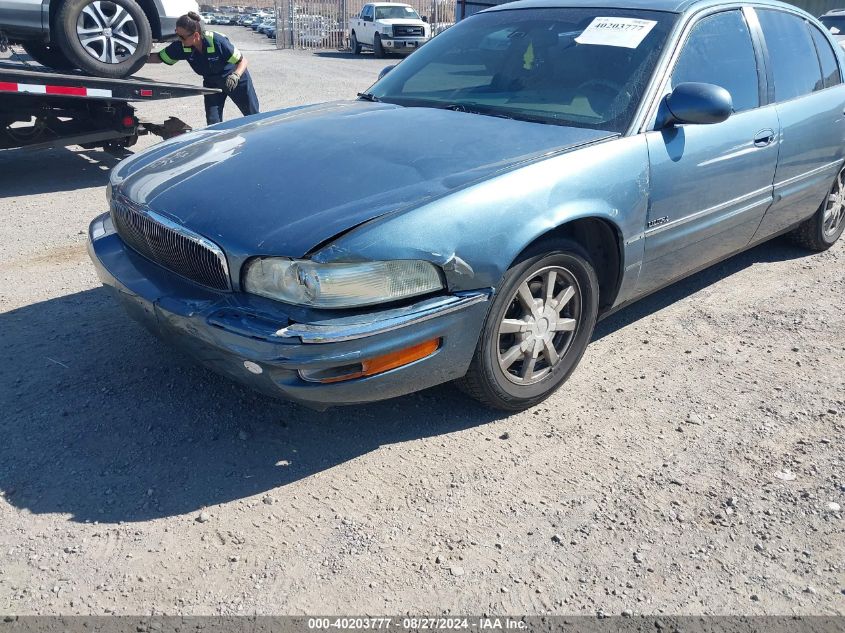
710	184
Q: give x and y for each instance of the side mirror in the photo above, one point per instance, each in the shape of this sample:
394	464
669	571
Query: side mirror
386	70
695	103
425	18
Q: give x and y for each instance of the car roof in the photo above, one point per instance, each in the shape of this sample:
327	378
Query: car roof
671	6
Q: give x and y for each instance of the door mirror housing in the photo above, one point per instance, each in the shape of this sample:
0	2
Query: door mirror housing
696	103
368	18
386	70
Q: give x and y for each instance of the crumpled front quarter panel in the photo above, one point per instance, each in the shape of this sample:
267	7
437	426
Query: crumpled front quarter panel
476	233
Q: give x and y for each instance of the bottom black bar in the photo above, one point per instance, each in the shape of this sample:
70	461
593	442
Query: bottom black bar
285	624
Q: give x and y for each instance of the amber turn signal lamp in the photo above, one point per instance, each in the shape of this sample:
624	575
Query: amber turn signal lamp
373	366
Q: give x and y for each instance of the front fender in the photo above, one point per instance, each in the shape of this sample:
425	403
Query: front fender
476	233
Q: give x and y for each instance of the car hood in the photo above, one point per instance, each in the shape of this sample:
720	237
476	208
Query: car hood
282	183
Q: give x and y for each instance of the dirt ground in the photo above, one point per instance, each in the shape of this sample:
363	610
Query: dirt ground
694	463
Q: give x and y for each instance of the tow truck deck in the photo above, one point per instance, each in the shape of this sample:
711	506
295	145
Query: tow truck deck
40	108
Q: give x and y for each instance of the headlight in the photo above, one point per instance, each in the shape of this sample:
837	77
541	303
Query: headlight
387	31
308	283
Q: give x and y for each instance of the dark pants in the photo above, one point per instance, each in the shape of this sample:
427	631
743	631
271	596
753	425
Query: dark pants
244	97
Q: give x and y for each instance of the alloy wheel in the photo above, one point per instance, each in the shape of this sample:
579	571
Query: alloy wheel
107	31
834	212
539	325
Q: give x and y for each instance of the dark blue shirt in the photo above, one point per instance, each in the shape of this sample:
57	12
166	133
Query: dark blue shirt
218	57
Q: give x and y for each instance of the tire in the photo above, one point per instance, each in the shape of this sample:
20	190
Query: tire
525	354
378	49
354	44
821	231
117	36
47	55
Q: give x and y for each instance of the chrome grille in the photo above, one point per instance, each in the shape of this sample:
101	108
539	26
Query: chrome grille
407	31
171	245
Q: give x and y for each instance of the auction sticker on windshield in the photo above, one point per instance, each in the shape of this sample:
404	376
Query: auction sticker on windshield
623	32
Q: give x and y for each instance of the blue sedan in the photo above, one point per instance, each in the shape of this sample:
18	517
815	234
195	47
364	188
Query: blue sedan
532	169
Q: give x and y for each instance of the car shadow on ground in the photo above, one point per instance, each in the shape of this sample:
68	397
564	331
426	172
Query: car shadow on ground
104	422
30	172
779	249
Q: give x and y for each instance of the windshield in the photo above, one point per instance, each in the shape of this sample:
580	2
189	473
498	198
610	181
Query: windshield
575	66
395	13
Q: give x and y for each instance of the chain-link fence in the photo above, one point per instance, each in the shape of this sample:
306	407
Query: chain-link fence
314	24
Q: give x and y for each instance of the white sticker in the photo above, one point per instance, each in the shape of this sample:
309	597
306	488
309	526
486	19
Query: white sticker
834	30
624	32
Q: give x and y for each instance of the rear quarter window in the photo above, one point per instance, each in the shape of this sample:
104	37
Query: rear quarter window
827	58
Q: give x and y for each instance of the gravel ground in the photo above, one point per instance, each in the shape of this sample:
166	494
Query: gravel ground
692	465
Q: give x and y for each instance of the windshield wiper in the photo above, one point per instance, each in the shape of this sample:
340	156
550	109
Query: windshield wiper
367	96
477	108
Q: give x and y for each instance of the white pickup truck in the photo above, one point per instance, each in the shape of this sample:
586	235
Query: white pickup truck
388	27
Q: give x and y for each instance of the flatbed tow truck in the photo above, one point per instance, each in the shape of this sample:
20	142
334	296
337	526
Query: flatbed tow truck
40	109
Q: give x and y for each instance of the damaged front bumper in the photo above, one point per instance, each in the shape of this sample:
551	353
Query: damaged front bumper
270	346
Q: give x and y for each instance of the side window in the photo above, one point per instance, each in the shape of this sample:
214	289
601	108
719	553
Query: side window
827	58
795	65
719	51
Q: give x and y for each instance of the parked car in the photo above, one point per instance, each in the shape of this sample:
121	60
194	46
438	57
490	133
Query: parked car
835	22
474	213
265	24
107	38
388	27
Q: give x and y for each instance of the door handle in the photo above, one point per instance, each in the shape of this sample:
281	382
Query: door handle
764	137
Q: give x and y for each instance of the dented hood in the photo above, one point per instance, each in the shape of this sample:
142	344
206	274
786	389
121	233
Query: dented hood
282	183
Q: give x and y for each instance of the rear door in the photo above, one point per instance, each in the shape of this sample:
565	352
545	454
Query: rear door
807	87
711	184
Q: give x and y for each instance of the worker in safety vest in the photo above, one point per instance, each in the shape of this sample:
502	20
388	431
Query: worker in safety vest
219	62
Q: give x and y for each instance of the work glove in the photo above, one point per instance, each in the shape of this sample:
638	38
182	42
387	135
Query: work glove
232	82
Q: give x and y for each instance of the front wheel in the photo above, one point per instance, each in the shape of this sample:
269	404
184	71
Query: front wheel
821	231
378	49
536	331
107	38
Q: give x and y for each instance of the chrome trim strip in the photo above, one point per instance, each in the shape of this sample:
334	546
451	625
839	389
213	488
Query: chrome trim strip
181	231
715	209
808	174
194	237
347	329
